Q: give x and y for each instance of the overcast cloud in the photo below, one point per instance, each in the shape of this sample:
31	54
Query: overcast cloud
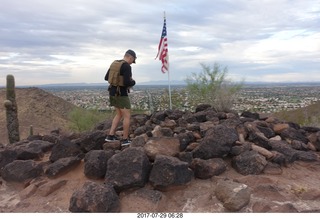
68	41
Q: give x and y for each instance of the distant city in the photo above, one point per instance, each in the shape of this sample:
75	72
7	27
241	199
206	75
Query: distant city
254	97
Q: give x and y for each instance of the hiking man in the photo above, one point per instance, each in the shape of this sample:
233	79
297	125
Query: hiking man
119	76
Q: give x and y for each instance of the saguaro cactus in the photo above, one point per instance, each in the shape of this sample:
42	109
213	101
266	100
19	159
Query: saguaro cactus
12	111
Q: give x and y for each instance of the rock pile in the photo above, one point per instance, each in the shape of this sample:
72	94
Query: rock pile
169	149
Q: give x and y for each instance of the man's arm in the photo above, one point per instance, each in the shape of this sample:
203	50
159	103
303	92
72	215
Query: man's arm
107	75
127	75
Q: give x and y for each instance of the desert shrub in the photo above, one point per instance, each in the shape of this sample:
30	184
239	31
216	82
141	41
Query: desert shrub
178	100
212	86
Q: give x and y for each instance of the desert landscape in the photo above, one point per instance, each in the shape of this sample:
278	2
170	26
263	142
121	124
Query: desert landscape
278	188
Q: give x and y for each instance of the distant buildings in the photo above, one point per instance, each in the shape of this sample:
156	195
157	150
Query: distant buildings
154	98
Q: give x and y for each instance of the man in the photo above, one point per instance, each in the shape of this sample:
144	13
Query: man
119	76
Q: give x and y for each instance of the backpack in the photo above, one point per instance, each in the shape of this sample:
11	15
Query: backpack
115	79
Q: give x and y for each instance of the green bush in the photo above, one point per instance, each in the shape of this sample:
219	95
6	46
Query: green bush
84	120
211	86
178	98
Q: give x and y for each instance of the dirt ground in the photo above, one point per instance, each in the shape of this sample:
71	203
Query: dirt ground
197	197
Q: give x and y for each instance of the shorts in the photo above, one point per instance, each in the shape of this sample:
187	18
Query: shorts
122	102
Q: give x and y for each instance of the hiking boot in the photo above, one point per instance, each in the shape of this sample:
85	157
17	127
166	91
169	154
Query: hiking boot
111	138
125	142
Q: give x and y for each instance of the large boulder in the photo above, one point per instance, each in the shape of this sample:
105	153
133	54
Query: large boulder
64	148
169	146
91	141
249	162
95	163
216	143
21	171
95	198
62	166
128	169
205	169
233	195
169	171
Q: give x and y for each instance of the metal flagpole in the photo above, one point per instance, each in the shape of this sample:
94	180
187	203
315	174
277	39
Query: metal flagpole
169	90
170	102
163	54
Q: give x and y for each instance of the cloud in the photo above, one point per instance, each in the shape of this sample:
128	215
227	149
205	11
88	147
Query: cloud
76	40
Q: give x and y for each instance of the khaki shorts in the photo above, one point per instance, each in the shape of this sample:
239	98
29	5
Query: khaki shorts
122	102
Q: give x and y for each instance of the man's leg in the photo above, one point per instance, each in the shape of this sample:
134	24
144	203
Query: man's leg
115	121
126	114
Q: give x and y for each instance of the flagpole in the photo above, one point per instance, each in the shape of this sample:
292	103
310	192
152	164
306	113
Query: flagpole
163	54
169	90
170	102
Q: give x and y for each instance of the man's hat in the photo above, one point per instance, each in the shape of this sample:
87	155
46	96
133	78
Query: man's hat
133	54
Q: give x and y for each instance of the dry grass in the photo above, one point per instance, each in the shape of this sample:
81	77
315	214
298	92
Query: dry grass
307	116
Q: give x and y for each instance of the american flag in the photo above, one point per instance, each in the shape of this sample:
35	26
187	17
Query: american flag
163	49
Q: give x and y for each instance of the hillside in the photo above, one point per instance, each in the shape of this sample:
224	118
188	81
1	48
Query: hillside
36	107
309	116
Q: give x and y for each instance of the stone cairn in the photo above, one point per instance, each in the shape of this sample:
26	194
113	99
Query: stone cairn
169	149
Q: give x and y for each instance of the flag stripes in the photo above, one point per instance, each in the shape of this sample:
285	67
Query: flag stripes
163	49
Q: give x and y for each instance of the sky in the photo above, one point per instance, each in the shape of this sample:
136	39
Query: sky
75	41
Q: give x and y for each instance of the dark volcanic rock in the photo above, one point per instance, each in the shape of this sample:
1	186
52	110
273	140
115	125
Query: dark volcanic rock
128	169
21	170
216	143
249	162
169	171
95	198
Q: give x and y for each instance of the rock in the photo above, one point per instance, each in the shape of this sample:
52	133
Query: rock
251	115
64	148
169	146
238	149
314	139
169	171
280	127
142	200
33	150
21	171
62	166
233	195
128	169
249	162
284	148
216	143
256	136
185	139
262	151
95	163
202	107
298	145
293	134
205	169
91	141
6	157
50	187
94	197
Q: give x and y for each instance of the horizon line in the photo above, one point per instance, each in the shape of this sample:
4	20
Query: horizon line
161	82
